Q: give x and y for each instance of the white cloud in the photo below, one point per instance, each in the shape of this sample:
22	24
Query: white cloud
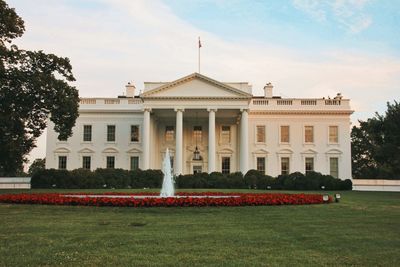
145	41
349	14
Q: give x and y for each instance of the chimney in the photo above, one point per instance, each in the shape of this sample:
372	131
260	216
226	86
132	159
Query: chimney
130	90
268	90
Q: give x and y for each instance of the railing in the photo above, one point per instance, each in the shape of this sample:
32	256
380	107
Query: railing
308	102
284	102
110	101
87	101
335	102
300	104
260	102
135	101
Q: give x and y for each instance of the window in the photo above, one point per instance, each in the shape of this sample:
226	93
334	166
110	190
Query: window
260	134
169	133
86	162
134	163
261	164
110	133
226	134
333	134
134	133
284	134
62	162
226	165
110	162
87	133
285	166
309	165
334	167
197	134
309	134
197	169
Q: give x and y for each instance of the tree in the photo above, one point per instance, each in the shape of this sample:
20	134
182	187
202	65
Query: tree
376	145
33	85
37	164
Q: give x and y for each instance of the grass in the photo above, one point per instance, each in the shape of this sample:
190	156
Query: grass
362	230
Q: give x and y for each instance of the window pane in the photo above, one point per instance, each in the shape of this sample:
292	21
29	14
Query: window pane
169	133
110	162
86	162
284	134
334	167
197	134
261	164
285	166
62	162
261	134
134	133
226	134
110	133
87	133
309	165
134	163
226	165
197	169
309	134
333	134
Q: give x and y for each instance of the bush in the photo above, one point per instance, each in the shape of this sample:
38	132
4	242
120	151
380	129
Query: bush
119	178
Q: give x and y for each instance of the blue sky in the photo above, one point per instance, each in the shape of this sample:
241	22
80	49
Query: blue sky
306	48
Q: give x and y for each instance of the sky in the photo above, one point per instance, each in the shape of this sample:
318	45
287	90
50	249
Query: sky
306	48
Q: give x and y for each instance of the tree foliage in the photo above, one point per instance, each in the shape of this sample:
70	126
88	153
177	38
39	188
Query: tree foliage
376	145
37	164
33	85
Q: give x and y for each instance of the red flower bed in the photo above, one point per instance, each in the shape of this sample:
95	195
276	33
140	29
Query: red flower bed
230	199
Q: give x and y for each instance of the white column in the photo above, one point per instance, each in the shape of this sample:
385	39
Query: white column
146	139
244	141
211	140
179	142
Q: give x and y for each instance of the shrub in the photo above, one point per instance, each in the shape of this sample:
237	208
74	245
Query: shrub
119	178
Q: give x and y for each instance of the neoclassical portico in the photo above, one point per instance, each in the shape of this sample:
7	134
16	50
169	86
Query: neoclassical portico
188	97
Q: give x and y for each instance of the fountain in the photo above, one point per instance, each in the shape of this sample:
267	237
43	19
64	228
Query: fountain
167	189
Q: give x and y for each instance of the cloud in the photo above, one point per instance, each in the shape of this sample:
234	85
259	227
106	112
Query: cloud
349	14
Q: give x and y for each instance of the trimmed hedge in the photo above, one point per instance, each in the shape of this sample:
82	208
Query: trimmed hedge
119	178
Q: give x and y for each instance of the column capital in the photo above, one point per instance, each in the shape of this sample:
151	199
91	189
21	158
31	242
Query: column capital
179	109
146	109
212	109
244	110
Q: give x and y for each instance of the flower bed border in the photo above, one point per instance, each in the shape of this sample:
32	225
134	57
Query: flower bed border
237	199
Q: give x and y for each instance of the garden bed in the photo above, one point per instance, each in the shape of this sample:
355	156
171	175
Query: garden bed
183	199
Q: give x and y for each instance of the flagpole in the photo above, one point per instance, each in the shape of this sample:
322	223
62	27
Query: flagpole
199	53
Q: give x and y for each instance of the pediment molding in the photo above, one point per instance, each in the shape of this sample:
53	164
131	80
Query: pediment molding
285	151
86	150
62	150
334	151
309	151
134	150
110	150
236	93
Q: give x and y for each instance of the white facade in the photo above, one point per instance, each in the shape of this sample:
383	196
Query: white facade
232	129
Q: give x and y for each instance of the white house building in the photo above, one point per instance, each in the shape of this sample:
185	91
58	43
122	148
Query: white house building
207	126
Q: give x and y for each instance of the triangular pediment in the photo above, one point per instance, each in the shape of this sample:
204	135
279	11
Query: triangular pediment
195	86
86	150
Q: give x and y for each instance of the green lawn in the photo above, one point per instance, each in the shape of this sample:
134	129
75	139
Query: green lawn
363	230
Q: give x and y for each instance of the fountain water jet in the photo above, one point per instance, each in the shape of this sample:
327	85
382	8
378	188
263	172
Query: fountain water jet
167	189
